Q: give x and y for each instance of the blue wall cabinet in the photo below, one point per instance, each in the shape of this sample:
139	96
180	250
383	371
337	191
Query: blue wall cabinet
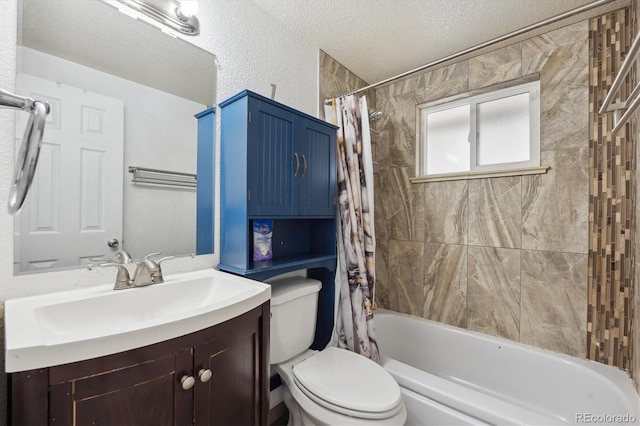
205	179
278	163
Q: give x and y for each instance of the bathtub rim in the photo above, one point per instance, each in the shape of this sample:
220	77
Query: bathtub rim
618	377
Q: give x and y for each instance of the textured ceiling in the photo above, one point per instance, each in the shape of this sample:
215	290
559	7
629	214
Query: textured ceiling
377	39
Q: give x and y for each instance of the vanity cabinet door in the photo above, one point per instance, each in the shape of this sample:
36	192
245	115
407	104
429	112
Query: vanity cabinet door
147	393
144	386
229	386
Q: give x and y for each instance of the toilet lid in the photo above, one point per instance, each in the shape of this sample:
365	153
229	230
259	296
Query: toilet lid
349	381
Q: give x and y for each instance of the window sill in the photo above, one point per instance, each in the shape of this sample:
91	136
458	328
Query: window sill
480	175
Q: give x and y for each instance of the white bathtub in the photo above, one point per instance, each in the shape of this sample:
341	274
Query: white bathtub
453	376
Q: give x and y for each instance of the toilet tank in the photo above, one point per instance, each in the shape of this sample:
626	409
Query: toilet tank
294	306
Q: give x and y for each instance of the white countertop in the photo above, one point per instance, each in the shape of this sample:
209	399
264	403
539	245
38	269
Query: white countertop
59	328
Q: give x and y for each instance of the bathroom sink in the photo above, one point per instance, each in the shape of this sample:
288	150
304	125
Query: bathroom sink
59	328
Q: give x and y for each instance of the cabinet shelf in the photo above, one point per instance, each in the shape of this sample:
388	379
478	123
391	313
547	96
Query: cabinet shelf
264	269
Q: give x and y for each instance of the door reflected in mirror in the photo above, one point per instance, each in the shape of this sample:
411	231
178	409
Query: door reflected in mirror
123	94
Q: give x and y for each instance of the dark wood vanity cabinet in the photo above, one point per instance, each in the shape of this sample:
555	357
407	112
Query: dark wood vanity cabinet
144	386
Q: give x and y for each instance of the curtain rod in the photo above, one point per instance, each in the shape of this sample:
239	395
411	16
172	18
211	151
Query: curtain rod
512	34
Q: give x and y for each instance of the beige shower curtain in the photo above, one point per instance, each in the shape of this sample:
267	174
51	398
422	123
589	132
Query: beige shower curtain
355	277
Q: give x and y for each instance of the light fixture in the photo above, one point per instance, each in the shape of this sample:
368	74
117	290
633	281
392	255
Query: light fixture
177	15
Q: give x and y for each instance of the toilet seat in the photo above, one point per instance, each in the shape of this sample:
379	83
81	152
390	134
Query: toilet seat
348	383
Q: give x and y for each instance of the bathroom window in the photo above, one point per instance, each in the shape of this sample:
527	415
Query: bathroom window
496	131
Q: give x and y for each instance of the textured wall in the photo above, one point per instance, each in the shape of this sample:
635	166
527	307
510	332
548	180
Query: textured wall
612	200
504	256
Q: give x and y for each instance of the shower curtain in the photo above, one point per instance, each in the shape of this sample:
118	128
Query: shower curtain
355	277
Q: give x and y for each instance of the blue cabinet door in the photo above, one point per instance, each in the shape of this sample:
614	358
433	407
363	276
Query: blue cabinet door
317	183
273	163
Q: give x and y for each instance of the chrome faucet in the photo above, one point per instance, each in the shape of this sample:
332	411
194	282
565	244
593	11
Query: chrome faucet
147	272
123	280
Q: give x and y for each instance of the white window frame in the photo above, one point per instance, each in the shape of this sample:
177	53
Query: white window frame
530	86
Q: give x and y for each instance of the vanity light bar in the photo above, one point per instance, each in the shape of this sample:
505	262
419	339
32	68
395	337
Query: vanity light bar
167	12
162	177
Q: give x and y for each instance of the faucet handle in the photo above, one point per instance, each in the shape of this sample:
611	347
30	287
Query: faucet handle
152	254
123	280
164	258
102	259
157	262
153	266
123	256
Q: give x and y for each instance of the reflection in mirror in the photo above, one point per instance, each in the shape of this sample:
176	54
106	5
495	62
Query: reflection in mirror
123	94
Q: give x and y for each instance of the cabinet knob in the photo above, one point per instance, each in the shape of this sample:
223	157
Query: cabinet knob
205	375
187	382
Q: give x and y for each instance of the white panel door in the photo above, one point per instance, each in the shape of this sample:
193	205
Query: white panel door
75	204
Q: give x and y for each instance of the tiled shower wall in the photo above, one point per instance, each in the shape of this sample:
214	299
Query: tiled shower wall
336	80
636	293
504	256
612	199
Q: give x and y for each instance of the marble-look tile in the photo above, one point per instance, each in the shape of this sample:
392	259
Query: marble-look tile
350	80
565	36
406	269
335	80
554	301
442	91
405	85
438	76
402	130
380	149
442	82
564	99
495	58
445	283
494	67
382	273
381	207
398	201
555	205
382	92
493	292
443	209
495	212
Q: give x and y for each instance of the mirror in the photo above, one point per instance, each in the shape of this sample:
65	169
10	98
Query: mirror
123	94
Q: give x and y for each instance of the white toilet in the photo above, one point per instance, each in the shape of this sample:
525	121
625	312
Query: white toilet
329	387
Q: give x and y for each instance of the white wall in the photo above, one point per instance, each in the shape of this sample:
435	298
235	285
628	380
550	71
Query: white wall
253	52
